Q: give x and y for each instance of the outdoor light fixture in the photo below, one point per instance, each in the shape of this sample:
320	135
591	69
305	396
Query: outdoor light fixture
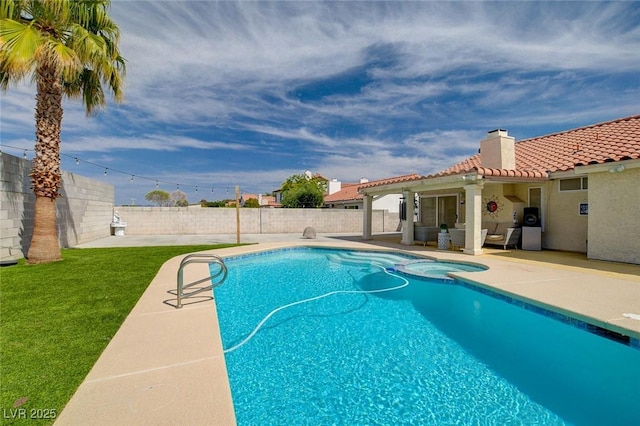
469	177
617	169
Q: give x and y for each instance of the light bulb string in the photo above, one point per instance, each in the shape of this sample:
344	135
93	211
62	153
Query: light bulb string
107	170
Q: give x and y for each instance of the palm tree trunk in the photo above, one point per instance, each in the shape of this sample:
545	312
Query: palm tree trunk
45	172
44	243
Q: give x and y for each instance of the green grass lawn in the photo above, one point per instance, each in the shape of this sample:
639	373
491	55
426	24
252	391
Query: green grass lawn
57	318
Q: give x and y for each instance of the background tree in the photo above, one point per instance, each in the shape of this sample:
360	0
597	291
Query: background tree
69	48
252	203
303	190
178	198
158	196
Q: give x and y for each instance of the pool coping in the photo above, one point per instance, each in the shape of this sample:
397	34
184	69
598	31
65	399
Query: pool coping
166	366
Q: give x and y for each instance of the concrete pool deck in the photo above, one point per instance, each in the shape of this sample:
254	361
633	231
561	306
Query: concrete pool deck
165	366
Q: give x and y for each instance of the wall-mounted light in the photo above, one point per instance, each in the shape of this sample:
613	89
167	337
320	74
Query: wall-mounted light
469	177
617	169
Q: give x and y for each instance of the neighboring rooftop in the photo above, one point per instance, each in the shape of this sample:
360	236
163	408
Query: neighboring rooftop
349	191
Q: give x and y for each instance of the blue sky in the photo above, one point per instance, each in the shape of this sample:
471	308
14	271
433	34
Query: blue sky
219	94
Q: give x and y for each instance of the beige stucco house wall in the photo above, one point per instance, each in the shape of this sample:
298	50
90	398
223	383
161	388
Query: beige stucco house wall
614	215
563	228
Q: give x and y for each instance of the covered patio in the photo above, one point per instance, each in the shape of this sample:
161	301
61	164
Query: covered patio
472	199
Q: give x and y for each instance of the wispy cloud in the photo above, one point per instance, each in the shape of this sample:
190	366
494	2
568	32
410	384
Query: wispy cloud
249	93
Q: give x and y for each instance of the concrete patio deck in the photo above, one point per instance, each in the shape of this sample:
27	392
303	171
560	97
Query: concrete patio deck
165	365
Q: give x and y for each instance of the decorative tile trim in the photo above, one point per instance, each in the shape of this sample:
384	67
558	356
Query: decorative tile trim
558	316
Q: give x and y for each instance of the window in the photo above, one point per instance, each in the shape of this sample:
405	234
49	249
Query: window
575	184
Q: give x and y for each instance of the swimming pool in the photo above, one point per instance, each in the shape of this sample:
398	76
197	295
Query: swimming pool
429	352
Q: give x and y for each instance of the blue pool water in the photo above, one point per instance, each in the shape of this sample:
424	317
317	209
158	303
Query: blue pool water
430	352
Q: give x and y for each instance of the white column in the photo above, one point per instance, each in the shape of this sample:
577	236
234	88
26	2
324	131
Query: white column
407	225
473	214
367	217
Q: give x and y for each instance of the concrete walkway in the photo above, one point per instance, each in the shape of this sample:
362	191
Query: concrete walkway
165	366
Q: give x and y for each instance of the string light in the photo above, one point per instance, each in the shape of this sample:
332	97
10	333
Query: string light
107	170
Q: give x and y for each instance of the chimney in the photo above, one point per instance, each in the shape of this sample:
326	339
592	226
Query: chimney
334	186
498	150
364	180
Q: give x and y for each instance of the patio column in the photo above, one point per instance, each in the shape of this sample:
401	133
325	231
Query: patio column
473	214
367	216
407	224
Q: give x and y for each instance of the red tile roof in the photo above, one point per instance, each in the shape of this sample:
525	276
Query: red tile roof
348	192
615	140
599	143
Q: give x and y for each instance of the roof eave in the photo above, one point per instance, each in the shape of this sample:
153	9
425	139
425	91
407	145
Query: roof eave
434	182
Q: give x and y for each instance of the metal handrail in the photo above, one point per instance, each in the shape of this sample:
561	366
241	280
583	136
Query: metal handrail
215	279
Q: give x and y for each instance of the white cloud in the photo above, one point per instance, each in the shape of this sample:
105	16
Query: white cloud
223	77
156	142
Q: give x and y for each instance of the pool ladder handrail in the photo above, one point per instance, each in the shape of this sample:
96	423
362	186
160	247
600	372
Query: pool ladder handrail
215	281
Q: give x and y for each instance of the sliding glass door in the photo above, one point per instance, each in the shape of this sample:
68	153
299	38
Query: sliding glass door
436	210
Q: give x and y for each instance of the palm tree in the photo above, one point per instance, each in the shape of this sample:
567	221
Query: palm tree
69	47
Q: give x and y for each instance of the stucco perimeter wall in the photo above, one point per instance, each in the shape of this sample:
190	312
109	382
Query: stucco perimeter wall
83	209
614	224
199	221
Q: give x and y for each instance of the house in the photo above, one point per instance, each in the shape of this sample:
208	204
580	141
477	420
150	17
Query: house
268	201
244	197
346	195
580	188
263	200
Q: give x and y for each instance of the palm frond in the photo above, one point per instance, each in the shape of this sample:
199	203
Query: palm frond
76	37
18	46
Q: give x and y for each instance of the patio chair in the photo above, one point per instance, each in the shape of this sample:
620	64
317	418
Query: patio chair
458	237
510	238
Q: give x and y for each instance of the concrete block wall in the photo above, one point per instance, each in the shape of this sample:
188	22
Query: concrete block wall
200	221
84	210
16	200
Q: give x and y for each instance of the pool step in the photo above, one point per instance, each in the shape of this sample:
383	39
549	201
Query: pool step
384	260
